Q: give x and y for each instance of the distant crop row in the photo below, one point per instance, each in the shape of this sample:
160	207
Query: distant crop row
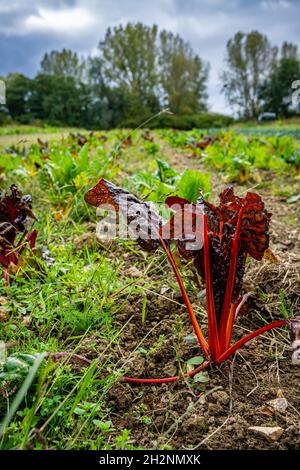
236	154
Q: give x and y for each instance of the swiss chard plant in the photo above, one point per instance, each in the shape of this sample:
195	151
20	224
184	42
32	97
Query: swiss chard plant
15	215
232	231
166	181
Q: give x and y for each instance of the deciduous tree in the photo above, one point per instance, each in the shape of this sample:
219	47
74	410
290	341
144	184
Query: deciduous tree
249	60
183	75
277	89
129	63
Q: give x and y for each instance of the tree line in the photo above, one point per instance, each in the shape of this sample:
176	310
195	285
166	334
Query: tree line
258	76
140	70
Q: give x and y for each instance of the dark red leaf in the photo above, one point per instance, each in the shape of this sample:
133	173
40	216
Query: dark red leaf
15	213
138	213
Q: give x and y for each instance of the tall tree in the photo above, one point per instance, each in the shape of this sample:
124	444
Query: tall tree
18	89
129	63
289	50
108	105
183	75
278	87
249	59
58	100
59	92
65	63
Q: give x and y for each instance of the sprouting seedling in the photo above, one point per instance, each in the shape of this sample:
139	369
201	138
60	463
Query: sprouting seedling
232	231
15	213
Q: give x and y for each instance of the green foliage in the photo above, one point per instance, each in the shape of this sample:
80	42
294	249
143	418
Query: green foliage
16	378
183	75
166	181
256	79
5	120
238	152
139	61
63	171
201	377
18	88
151	147
58	99
276	90
64	63
129	60
165	173
14	370
191	183
195	361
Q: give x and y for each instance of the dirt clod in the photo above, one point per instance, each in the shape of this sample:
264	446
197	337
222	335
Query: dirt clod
133	272
87	239
220	397
272	434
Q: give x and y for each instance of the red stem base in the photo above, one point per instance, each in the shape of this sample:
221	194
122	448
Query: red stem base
167	379
223	357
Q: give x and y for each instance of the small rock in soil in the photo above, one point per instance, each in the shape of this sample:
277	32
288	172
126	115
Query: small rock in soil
133	272
202	400
26	320
170	369
195	422
272	434
202	295
278	404
3	314
46	255
164	290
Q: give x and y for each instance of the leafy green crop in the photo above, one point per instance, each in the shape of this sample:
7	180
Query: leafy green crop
14	370
166	181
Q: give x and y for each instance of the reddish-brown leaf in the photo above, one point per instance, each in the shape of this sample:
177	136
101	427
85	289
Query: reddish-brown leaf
15	213
137	214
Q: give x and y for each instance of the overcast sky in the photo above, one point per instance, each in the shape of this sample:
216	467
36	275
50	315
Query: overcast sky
30	28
